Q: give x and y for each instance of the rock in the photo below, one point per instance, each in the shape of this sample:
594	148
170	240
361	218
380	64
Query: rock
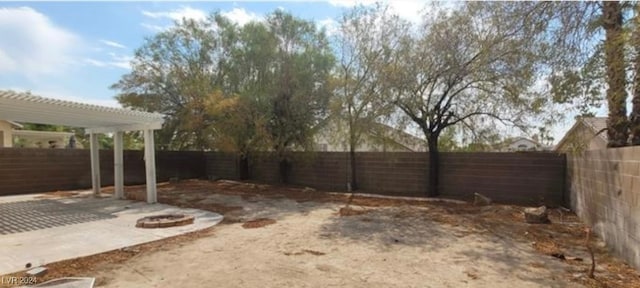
38	271
489	209
308	189
130	249
481	200
538	215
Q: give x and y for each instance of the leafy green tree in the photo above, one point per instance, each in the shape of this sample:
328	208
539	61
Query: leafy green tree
233	88
456	72
173	73
242	119
240	128
297	78
447	141
359	104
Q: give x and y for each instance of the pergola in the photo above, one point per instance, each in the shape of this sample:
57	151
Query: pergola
25	107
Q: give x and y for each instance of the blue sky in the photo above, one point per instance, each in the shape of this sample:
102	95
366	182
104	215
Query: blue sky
76	50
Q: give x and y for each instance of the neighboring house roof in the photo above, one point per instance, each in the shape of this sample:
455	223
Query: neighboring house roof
510	141
379	135
597	125
402	138
15	124
505	144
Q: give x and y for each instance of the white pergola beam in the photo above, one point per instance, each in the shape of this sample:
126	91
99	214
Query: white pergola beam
95	164
150	166
118	165
123	128
17	106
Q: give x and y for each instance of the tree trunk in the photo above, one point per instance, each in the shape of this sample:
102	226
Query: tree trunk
617	123
634	118
284	171
434	165
244	167
352	153
352	159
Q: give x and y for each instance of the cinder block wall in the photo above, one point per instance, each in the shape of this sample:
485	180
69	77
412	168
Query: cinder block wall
25	170
221	165
605	192
524	178
514	178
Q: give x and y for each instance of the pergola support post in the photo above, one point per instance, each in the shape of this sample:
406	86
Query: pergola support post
95	164
150	165
118	165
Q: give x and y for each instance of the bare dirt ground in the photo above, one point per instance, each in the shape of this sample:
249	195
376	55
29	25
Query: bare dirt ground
291	237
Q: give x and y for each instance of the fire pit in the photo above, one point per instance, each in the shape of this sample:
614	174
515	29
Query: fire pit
163	221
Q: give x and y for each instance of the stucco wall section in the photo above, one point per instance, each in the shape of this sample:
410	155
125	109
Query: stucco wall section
604	186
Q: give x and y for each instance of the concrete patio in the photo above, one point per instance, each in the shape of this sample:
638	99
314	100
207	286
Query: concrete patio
41	229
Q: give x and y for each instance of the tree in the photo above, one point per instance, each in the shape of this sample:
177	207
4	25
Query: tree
457	72
634	117
297	78
358	101
173	73
617	122
234	88
239	127
581	65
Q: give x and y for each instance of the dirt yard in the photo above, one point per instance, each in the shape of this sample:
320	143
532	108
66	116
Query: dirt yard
291	237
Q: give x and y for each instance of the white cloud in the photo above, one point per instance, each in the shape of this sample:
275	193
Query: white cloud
161	17
113	44
184	12
95	62
120	61
330	25
351	3
32	45
155	28
408	9
115	60
6	62
241	16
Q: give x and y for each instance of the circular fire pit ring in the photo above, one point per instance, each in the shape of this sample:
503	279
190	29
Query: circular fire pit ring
163	221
